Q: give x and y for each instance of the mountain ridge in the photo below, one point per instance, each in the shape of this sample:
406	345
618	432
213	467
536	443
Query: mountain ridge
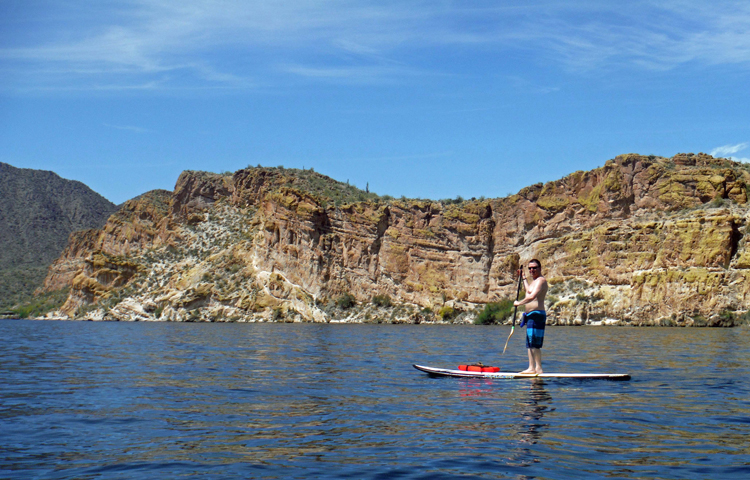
642	240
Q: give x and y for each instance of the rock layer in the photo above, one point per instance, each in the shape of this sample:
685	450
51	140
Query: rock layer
641	240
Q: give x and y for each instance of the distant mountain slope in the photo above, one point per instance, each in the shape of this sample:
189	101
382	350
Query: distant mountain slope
38	211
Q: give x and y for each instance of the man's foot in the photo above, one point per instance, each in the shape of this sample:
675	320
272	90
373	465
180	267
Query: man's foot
527	372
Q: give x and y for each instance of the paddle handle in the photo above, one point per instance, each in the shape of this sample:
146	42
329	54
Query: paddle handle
515	308
518	291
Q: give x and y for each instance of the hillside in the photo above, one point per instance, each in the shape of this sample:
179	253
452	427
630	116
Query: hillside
642	240
38	212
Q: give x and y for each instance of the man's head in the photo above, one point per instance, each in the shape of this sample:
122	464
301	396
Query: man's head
535	267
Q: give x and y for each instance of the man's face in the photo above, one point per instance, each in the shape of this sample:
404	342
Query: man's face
534	270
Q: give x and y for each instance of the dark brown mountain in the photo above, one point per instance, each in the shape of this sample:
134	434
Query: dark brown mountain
38	212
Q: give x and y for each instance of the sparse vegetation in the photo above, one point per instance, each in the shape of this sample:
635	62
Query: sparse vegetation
41	304
326	189
381	301
448	313
346	301
453	201
593	298
495	312
30	246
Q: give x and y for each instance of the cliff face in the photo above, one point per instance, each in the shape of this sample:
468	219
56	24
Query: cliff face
642	240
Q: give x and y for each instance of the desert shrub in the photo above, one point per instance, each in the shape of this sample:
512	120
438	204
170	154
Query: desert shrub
448	313
346	301
41	304
382	301
495	312
589	298
452	201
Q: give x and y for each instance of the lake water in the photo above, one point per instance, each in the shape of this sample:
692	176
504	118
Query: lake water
90	400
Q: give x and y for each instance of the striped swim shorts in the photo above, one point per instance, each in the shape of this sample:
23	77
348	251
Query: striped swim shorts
535	323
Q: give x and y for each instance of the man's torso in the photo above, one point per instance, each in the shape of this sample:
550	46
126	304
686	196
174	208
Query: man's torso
538	302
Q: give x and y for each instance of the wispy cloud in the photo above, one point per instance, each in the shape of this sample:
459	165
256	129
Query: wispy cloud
241	45
727	151
129	128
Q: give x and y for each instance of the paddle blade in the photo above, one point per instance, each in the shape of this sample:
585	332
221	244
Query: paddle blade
511	333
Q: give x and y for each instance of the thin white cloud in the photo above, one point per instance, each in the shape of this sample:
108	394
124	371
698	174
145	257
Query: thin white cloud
241	45
727	150
129	128
351	74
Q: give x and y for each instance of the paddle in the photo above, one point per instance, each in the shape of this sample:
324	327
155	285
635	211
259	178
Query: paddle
515	308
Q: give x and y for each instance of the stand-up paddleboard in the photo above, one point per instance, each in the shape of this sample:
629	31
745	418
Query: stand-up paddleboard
445	372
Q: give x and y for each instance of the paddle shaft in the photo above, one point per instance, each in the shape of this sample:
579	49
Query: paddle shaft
515	309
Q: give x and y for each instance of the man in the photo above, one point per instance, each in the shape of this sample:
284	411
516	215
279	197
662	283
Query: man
535	316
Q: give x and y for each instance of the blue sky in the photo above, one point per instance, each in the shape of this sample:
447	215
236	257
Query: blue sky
426	99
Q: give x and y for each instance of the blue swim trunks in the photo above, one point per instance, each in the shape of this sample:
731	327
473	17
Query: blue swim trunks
535	322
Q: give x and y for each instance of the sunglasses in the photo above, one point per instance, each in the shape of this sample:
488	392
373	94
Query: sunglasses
533	268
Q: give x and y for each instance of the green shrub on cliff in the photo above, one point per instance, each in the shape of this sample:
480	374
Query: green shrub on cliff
448	313
346	301
452	201
495	312
382	301
41	304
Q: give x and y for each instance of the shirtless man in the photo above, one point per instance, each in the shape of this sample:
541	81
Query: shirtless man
535	316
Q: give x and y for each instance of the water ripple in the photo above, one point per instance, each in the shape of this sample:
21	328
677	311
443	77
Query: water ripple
141	400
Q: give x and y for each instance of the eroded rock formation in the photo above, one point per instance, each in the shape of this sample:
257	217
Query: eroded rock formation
641	240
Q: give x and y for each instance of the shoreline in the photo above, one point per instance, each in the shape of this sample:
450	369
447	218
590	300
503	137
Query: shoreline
348	321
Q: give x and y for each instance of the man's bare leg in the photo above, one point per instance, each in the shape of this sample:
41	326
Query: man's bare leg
532	368
536	354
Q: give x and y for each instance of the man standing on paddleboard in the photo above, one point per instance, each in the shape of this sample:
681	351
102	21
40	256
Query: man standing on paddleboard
535	317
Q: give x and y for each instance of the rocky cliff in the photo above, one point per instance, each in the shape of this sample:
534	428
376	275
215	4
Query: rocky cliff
641	240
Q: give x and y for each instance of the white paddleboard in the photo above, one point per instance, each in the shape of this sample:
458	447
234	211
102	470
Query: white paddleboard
445	372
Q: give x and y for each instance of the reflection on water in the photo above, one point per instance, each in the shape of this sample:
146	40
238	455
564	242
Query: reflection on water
532	412
111	400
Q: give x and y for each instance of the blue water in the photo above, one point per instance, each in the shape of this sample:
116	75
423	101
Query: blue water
90	400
